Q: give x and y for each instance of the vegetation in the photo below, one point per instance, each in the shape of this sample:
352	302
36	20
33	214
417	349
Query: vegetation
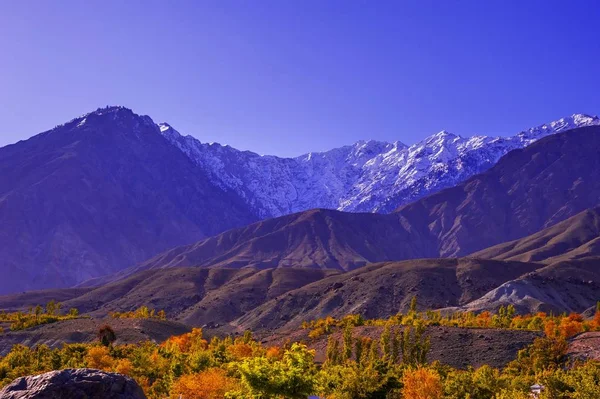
36	316
142	312
562	325
394	366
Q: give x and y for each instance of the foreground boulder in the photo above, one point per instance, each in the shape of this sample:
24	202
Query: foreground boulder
73	384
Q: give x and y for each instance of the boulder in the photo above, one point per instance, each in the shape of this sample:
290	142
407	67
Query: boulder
73	384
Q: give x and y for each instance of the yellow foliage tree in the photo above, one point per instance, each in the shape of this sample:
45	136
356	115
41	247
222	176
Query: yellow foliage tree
98	357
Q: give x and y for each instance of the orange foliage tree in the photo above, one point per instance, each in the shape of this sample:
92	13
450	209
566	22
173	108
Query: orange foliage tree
422	383
212	383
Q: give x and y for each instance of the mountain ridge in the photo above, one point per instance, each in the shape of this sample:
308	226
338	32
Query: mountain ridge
97	194
367	176
526	191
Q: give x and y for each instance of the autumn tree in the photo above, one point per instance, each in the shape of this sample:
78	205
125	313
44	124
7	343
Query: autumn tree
212	383
98	357
421	383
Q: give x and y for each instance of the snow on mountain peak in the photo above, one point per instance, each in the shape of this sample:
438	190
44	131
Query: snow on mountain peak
367	176
562	124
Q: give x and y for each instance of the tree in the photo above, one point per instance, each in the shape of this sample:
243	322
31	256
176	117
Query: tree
333	351
421	383
348	342
415	346
106	335
209	384
385	343
413	305
291	377
98	357
51	308
38	311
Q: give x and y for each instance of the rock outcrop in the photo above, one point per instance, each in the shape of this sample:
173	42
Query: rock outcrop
73	384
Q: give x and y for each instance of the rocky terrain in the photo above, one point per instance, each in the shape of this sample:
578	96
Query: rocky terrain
585	346
382	290
566	286
73	383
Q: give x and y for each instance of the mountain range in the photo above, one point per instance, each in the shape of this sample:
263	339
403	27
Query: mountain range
527	191
368	176
148	216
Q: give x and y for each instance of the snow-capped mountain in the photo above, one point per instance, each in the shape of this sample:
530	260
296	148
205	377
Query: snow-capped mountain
368	176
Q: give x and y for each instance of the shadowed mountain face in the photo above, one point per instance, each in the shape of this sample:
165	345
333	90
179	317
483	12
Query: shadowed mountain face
575	238
318	238
97	194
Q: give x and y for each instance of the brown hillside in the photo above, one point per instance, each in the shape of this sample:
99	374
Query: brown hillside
128	331
575	238
384	289
196	296
259	299
567	286
319	238
528	190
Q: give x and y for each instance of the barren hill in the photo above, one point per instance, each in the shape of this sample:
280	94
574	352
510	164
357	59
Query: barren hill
575	238
566	286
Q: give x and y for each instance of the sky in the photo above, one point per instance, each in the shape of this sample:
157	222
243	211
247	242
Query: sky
286	77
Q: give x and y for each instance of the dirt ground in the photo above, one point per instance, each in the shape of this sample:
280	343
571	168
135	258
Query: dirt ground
85	330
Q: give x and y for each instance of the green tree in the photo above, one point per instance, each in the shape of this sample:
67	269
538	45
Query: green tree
291	377
348	342
415	346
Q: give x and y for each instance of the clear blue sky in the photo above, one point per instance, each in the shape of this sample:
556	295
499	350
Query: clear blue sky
290	76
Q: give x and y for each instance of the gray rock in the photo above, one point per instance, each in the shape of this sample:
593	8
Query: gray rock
73	384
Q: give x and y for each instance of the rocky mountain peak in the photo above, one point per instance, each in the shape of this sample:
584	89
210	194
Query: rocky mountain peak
367	176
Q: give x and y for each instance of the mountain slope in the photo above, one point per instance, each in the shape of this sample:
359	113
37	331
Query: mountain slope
272	298
526	191
368	176
99	193
566	286
383	289
575	238
318	238
193	295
